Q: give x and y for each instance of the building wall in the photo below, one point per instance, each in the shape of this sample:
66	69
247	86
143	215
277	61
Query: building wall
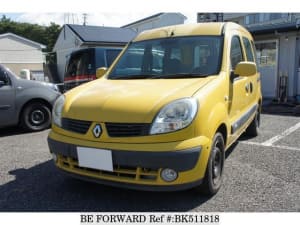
166	19
17	55
17	67
66	43
288	61
297	67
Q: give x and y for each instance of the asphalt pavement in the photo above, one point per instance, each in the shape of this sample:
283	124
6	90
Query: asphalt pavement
262	174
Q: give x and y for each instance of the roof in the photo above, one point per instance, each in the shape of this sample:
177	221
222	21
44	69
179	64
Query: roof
102	34
24	40
148	18
270	28
211	28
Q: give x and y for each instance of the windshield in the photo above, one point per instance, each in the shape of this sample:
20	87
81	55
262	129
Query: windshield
178	57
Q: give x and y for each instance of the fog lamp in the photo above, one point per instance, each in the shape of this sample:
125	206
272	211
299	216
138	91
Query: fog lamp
169	175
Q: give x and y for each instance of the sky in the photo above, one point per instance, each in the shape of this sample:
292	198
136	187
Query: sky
110	19
117	13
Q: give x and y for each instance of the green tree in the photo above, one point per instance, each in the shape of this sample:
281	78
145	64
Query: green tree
46	35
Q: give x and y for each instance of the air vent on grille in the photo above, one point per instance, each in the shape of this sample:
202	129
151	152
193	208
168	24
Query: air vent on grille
78	126
127	129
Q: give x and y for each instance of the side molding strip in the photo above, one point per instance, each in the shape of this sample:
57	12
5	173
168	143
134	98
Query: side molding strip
243	119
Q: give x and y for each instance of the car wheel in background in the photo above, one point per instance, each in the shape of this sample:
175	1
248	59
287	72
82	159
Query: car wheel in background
36	116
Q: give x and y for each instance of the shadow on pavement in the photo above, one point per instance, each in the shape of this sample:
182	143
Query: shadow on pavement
282	109
9	131
42	188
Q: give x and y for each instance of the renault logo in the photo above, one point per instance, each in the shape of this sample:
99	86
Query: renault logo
97	130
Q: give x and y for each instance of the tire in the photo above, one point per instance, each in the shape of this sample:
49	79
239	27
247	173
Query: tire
36	117
253	128
214	170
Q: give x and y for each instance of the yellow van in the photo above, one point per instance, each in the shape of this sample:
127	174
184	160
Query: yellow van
163	115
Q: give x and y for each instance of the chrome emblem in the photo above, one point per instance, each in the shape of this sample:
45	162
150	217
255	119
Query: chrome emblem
97	131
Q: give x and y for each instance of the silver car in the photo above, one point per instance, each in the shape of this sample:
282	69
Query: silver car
25	102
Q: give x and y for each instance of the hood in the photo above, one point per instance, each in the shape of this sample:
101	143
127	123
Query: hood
127	101
37	84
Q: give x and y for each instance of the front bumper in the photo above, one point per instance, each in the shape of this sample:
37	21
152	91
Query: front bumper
136	169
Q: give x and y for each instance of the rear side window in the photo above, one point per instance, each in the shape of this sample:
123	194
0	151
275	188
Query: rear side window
248	49
254	51
81	63
236	54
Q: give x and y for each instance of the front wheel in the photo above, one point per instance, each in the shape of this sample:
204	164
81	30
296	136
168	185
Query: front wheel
36	116
214	171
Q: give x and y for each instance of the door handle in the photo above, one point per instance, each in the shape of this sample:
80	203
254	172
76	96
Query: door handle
249	87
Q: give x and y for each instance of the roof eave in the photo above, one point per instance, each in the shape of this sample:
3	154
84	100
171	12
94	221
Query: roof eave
105	43
272	28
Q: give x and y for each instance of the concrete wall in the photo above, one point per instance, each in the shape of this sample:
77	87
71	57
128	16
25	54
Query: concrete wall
17	54
17	67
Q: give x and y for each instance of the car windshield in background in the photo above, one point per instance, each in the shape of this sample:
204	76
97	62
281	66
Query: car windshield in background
178	57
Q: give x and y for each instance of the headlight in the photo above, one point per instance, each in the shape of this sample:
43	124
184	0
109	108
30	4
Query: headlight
175	116
52	86
57	110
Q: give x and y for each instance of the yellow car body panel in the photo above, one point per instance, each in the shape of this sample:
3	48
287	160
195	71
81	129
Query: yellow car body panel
226	104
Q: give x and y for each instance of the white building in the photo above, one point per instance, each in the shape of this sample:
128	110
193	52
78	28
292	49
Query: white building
155	21
19	53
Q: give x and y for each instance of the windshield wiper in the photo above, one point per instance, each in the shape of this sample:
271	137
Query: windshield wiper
179	75
158	76
127	77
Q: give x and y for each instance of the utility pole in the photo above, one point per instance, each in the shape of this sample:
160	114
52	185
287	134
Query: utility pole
84	18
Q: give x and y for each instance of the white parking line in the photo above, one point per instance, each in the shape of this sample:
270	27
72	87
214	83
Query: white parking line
285	133
271	141
273	146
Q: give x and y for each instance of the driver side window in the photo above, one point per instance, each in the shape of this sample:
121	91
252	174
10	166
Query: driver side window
4	77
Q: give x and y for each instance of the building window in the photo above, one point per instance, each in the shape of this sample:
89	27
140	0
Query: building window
263	17
266	54
252	19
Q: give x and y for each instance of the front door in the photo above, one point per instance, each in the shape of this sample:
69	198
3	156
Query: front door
237	92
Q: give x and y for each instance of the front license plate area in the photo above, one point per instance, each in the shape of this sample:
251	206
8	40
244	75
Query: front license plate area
94	158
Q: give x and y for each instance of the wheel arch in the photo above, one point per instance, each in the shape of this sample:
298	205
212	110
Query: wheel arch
223	130
34	100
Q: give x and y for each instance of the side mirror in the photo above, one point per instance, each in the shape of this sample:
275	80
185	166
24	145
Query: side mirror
100	72
245	69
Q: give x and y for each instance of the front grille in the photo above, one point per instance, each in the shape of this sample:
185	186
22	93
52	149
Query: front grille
127	129
77	126
121	172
